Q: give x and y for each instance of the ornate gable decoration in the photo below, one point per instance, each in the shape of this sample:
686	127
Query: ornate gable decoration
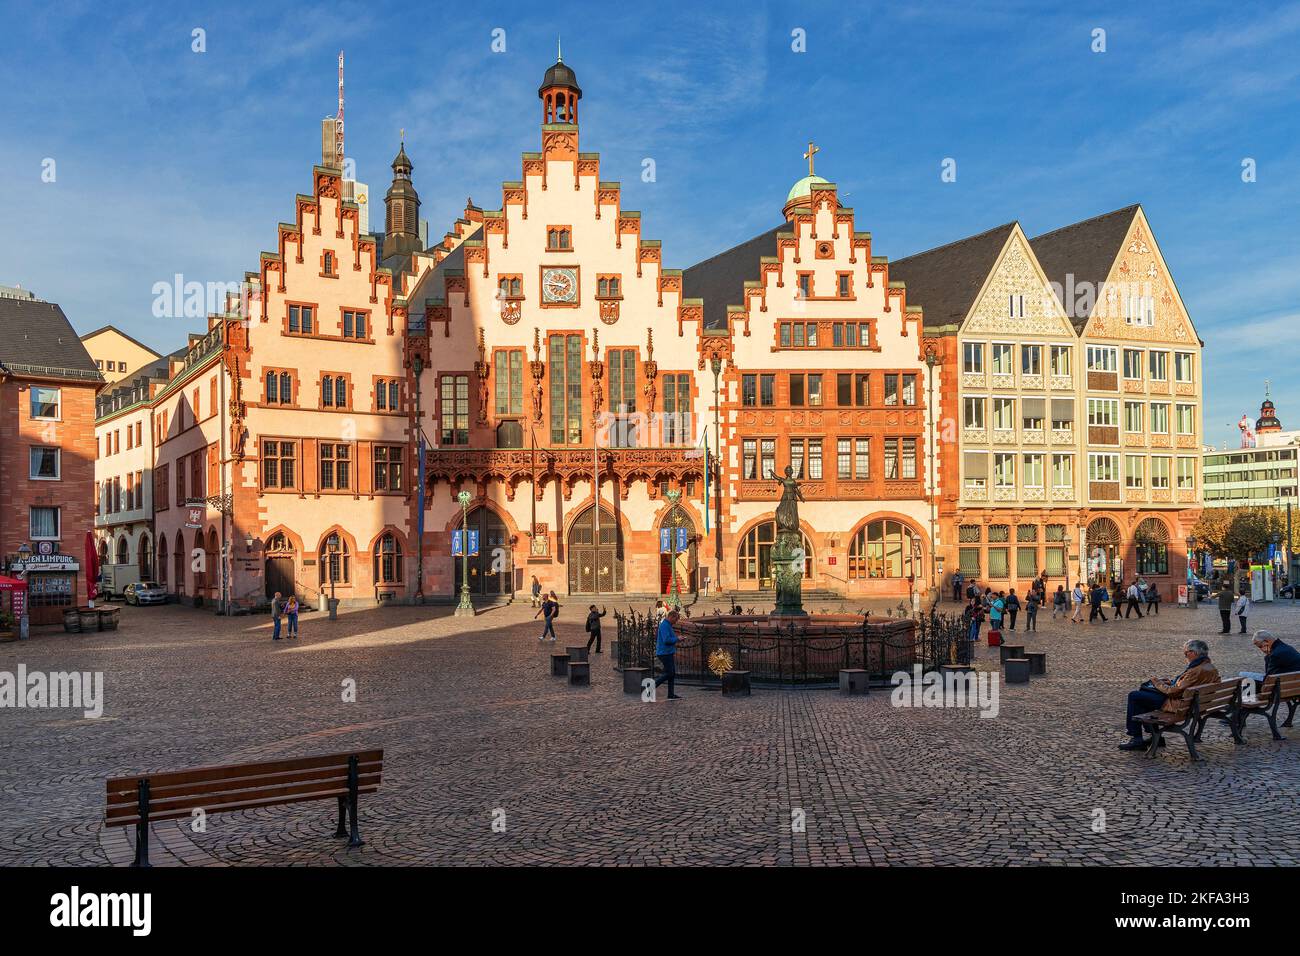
1016	274
1139	271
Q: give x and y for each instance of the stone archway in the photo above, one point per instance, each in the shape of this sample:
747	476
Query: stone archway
595	567
1104	541
678	568
491	571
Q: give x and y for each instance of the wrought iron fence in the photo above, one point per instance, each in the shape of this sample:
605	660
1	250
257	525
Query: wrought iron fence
805	652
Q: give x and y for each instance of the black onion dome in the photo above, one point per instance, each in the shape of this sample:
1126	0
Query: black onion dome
562	76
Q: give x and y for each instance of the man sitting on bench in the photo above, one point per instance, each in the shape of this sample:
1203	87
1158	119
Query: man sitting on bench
1279	657
1160	694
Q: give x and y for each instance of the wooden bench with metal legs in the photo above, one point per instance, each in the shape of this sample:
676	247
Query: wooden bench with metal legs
1205	703
1275	690
142	799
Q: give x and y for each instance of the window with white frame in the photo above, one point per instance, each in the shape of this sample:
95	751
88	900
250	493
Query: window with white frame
1103	412
1133	415
44	463
1031	360
1016	306
1182	366
1140	309
973	358
975	469
46	403
1062	471
1059	357
1102	358
973	412
1160	418
1004	413
1033	471
1004	470
1159	362
1103	467
1186	419
1133	363
1134	471
1186	474
1032	412
1160	471
1001	358
43	523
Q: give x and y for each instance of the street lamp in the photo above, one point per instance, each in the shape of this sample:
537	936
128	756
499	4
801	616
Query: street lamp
1276	539
1191	578
931	360
334	574
466	607
417	365
715	363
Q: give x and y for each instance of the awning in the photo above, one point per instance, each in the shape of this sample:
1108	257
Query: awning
1062	409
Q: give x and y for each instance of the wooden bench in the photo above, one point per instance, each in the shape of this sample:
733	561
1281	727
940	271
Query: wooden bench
142	799
1207	702
1275	690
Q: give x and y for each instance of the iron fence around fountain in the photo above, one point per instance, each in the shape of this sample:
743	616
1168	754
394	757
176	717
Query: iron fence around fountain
798	652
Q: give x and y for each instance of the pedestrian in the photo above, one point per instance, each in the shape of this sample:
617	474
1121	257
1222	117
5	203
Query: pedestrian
956	586
537	592
974	615
550	609
1225	605
1012	606
291	609
1241	609
972	590
996	611
1077	598
1032	603
1116	596
593	626
666	651
1134	601
277	609
1098	601
1153	599
1059	602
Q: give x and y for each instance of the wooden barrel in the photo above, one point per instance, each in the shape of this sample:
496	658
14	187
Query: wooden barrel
72	620
89	618
108	618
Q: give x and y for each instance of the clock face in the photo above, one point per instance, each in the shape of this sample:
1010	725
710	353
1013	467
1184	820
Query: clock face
560	285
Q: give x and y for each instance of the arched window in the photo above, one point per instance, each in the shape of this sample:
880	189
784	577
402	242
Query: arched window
286	388
278	542
145	557
754	560
388	560
123	551
341	392
335	560
1152	539
327	391
162	559
884	549
272	388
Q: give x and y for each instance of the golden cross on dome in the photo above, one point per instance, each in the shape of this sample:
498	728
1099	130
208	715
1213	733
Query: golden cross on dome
812	151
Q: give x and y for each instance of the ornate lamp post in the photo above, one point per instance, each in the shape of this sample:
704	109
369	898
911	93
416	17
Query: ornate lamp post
417	366
1276	539
466	607
931	360
1191	577
334	574
715	363
673	496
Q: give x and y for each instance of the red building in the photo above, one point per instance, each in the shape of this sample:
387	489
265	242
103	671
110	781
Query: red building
48	383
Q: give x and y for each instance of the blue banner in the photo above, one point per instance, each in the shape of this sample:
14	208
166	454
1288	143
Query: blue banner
456	546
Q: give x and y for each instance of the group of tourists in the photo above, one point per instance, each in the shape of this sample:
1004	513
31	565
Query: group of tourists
1124	601
1002	608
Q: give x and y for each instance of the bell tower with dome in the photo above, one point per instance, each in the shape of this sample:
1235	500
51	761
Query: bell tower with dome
559	94
1268	420
801	191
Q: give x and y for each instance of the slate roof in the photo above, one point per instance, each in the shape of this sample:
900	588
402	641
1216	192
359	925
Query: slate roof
720	280
945	281
37	335
1086	250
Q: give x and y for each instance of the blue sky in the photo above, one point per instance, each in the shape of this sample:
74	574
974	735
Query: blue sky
174	161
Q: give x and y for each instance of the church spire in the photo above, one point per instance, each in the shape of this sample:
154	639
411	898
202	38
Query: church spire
403	207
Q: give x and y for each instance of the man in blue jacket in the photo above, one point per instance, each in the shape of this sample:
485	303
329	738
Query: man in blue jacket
666	651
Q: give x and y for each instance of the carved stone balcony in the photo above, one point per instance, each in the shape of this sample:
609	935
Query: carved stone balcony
975	493
1062	383
1004	381
1031	381
1004	493
1062	436
971	435
1033	436
1034	494
972	380
1004	436
1062	494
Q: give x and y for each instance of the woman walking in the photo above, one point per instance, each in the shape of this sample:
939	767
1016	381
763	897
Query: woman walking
1058	602
537	592
550	610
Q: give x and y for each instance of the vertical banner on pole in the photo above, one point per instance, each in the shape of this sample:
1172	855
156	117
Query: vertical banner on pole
708	474
419	518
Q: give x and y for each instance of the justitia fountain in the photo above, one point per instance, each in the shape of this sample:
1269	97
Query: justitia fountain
788	555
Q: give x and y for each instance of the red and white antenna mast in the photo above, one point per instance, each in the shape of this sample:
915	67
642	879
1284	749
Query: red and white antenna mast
338	119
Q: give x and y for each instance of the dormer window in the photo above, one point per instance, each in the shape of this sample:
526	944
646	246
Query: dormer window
559	238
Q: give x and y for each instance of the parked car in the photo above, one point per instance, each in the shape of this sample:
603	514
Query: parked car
145	592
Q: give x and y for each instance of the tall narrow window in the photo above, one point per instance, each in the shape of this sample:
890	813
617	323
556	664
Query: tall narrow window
509	374
565	370
677	425
453	401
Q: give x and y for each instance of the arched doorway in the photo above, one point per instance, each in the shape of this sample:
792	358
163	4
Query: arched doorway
491	571
178	565
1103	542
754	558
885	548
1152	538
687	561
213	565
145	556
162	560
595	566
280	558
123	550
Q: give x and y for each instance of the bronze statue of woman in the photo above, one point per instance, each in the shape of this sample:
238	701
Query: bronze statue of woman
787	512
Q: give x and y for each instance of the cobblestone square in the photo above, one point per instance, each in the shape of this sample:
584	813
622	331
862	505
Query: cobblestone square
475	729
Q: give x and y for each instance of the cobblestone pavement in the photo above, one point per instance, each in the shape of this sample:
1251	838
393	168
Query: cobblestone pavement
472	724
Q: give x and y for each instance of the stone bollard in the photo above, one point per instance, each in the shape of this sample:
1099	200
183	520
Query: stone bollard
1017	670
853	681
578	653
559	665
735	682
1037	663
632	678
580	673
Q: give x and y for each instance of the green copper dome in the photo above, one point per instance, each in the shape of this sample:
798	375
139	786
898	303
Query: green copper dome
803	188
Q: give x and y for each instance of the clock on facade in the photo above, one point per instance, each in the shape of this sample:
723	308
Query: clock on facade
560	286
